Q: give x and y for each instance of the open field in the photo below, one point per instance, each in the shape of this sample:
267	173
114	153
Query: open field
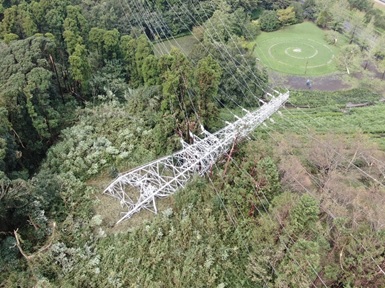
299	49
185	43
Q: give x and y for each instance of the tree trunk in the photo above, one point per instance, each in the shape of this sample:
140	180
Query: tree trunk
57	77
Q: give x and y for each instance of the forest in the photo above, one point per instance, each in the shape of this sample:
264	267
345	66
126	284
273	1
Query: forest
86	95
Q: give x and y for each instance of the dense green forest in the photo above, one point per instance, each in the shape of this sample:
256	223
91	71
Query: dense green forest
85	97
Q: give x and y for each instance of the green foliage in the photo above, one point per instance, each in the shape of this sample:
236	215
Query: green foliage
135	52
327	112
332	37
269	21
363	5
111	77
45	118
350	58
299	12
251	30
305	214
150	71
237	63
286	16
218	27
379	18
17	20
8	148
289	256
8	256
9	37
75	22
85	150
323	19
236	229
71	40
189	256
309	9
360	253
31	96
226	24
105	43
177	81
207	77
111	43
319	99
274	4
95	37
79	66
300	265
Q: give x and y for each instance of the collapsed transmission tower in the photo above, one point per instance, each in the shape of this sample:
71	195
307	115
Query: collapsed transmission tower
139	188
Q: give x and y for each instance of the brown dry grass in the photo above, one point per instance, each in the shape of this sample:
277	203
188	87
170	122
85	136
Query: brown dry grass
335	169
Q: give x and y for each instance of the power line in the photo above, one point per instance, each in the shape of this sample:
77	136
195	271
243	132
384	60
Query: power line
240	106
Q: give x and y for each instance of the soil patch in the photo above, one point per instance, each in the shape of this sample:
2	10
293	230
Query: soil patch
332	82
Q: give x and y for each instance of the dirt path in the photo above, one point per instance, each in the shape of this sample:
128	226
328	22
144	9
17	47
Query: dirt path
323	83
331	82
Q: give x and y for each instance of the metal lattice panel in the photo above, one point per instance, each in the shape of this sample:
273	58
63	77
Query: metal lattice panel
138	188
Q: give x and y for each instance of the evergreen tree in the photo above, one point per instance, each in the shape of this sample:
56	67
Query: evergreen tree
79	66
207	77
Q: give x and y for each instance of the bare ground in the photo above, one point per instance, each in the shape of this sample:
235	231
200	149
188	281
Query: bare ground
331	82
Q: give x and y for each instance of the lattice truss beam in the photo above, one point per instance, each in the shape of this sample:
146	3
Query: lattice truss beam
139	188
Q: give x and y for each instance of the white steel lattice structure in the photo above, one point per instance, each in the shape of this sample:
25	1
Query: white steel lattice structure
138	188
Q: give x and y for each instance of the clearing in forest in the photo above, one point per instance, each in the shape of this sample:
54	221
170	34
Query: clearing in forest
298	49
184	43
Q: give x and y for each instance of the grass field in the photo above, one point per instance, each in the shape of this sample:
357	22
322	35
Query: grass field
327	113
185	43
298	49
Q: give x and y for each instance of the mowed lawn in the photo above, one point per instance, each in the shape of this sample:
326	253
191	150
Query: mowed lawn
298	49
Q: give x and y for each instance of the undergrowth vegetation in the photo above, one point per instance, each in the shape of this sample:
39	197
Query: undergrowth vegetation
284	210
342	112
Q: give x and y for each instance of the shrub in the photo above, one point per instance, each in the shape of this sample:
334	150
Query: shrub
332	37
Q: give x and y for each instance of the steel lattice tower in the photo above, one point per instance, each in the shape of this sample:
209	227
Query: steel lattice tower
138	188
